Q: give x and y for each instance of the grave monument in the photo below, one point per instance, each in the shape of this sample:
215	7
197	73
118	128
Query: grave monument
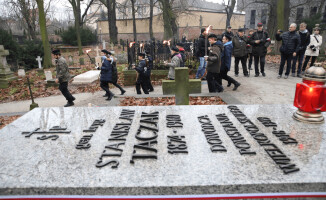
5	74
163	152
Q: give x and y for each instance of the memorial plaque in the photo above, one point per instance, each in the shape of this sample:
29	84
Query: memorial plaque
205	152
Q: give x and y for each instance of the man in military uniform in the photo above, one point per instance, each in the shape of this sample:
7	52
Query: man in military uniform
63	77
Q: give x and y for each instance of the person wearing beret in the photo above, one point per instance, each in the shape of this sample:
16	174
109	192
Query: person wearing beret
63	77
214	64
176	60
240	52
259	41
106	74
143	75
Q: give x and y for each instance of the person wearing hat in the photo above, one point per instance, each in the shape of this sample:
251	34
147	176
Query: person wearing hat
175	62
289	49
106	74
149	58
142	78
228	32
200	53
182	53
240	52
226	63
312	50
63	77
259	41
214	64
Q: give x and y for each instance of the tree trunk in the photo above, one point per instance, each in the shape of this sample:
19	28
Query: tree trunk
44	34
113	30
167	19
229	13
151	4
76	9
134	19
272	22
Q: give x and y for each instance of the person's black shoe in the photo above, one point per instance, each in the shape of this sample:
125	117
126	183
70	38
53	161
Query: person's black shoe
236	85
299	76
246	75
150	90
220	90
250	68
122	93
69	104
105	95
229	84
236	75
263	74
73	98
110	97
256	75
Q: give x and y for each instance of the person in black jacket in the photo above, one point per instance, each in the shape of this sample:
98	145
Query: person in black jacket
289	48
249	48
142	78
305	40
149	58
214	64
259	42
240	52
106	75
201	53
228	32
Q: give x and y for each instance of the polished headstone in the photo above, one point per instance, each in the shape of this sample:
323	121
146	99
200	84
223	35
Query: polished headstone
30	166
87	77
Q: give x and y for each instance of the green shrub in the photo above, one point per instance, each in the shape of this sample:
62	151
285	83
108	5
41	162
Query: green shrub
69	36
10	44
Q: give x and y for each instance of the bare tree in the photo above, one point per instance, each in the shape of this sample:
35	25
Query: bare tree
134	19
229	8
151	8
112	20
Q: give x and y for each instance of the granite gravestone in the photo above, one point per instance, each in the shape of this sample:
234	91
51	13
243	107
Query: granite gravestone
151	152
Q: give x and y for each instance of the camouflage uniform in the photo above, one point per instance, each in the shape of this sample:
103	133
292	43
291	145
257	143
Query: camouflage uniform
63	76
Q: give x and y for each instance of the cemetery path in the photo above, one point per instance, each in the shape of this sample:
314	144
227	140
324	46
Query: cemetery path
253	90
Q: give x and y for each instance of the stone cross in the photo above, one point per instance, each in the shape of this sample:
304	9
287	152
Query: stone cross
104	44
181	86
97	49
5	74
39	59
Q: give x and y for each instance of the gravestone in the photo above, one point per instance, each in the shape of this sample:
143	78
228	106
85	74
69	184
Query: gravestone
167	152
104	44
5	74
40	70
87	77
48	75
70	61
98	61
182	86
50	81
21	72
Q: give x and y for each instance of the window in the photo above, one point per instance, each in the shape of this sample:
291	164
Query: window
253	17
313	11
264	16
299	14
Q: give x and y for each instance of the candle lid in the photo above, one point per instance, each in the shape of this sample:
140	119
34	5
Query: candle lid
315	73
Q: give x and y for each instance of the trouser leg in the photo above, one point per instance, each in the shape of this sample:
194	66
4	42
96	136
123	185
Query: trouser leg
289	57
280	71
301	56
138	88
63	87
244	65
149	85
201	68
262	64
313	59
118	86
250	60
294	63
256	58
305	63
236	65
144	87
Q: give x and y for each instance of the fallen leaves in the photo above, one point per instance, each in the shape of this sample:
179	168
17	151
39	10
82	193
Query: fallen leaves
5	120
168	101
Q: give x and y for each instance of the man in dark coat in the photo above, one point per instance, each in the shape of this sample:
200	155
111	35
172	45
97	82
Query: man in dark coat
201	53
142	78
289	48
63	77
249	48
259	42
106	74
149	59
240	52
228	32
304	42
226	63
214	64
